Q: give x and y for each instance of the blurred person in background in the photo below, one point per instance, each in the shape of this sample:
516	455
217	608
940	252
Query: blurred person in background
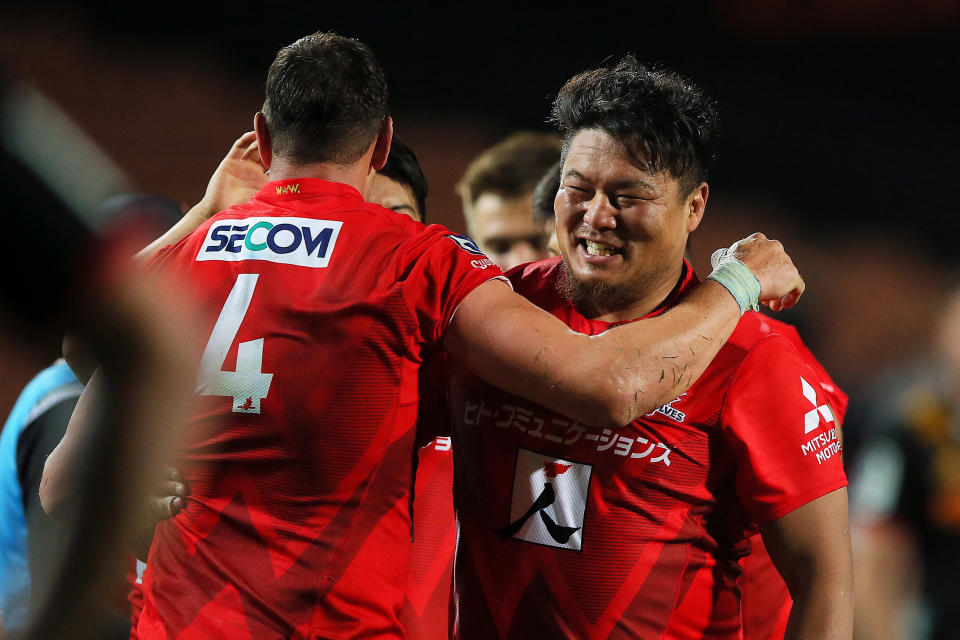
70	277
400	185
45	407
299	455
905	497
33	429
572	532
497	192
542	205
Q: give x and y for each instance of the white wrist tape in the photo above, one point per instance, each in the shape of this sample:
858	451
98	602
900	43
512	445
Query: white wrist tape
737	278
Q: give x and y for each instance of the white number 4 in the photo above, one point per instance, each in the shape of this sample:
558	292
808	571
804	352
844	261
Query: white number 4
248	385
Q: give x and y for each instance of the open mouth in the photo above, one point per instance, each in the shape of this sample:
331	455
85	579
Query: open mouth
599	249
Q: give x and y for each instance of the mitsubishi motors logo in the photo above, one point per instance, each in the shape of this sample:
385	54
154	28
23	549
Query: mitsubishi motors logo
549	501
811	419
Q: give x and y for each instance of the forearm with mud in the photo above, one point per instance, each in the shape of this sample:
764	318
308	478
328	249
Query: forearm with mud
606	380
646	364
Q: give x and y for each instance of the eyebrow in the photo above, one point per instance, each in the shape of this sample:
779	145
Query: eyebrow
623	184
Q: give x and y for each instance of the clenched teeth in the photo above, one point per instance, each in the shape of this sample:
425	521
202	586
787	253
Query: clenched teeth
597	249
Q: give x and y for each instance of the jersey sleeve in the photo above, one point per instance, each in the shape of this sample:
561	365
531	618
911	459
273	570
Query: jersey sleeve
437	270
835	395
779	422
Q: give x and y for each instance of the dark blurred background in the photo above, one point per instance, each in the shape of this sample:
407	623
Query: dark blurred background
839	131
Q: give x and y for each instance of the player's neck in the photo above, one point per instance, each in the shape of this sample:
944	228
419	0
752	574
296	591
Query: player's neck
355	175
647	297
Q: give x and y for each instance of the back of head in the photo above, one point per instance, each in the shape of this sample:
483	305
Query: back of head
664	121
326	98
510	168
402	166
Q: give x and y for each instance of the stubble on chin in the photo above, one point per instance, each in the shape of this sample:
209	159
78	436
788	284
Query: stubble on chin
590	295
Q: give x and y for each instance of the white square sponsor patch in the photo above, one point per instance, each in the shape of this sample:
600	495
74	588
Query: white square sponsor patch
304	242
549	500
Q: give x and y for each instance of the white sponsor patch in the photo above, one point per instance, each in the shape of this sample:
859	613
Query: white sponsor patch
549	501
304	242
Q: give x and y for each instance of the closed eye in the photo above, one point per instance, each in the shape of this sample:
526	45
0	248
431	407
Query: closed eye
575	189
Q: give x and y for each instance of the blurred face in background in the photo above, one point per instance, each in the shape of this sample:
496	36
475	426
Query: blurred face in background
393	195
621	229
506	231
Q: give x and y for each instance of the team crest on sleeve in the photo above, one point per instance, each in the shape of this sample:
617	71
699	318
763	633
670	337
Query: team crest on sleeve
466	244
824	444
304	242
549	501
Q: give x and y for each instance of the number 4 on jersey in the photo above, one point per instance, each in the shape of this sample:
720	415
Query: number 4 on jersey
248	385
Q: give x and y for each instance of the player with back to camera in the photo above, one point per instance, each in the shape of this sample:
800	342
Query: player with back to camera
299	453
572	531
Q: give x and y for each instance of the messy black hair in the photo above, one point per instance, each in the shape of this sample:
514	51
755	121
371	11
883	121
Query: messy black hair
402	166
664	121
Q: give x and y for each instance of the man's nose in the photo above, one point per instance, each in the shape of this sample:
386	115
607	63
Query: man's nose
600	213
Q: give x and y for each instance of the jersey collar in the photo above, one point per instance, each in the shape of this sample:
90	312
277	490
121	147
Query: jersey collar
688	280
300	188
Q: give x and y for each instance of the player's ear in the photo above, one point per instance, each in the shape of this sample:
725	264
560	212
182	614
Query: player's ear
696	203
381	148
264	142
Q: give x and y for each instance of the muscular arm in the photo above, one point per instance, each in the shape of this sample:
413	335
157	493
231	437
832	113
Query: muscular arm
613	378
811	549
605	380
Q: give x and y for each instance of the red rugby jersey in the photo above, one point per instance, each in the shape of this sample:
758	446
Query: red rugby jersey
764	599
572	532
299	455
426	608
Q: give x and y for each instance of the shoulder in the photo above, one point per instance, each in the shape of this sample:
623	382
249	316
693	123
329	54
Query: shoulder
768	352
755	328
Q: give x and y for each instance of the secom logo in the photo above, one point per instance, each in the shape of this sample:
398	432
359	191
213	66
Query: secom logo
303	242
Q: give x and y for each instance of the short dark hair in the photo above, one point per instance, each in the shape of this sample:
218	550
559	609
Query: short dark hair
402	166
510	168
326	98
666	122
545	193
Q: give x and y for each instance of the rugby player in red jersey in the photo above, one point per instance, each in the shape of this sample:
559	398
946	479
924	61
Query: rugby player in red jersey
570	531
299	453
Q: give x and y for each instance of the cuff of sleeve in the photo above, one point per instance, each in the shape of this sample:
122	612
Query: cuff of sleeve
780	509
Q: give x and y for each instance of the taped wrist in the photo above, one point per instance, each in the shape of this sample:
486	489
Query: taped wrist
736	278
